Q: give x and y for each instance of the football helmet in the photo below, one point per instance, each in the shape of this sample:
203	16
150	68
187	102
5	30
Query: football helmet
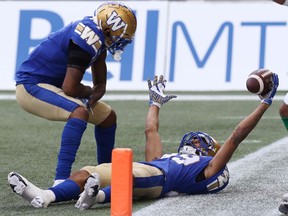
118	22
206	145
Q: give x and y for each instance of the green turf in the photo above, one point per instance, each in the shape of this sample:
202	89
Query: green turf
29	145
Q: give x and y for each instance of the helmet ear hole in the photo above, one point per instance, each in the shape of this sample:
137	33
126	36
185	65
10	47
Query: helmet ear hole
107	33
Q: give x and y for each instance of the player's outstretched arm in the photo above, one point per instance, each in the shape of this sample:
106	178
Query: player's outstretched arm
241	131
153	147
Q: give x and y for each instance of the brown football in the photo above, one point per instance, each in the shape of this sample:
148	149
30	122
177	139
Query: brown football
259	81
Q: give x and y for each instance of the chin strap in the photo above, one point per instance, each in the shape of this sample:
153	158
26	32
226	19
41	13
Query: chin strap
117	55
188	150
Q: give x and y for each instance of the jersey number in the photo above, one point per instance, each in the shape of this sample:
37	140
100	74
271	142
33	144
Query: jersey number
186	159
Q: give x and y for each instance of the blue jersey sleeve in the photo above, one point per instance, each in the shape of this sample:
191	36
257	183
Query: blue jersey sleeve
88	36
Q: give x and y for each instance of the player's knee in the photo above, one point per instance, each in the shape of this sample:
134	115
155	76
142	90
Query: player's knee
80	177
283	110
112	117
109	121
80	113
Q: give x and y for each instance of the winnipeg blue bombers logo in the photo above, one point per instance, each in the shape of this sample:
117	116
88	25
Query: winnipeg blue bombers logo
220	182
87	34
115	21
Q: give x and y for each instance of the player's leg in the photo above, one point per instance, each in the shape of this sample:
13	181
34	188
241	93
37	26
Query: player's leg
284	204
104	119
91	189
70	142
283	111
65	191
37	197
51	103
147	184
148	181
98	176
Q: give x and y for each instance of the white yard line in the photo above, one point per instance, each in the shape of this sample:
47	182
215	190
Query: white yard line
257	183
7	97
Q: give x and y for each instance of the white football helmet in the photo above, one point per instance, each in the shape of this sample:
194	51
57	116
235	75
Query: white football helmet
118	22
208	145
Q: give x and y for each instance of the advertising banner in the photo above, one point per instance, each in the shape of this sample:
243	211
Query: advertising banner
198	46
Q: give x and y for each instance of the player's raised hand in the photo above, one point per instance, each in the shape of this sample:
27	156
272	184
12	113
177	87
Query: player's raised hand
156	92
268	98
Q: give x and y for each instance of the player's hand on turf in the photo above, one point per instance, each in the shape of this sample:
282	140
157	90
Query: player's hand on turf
156	92
268	98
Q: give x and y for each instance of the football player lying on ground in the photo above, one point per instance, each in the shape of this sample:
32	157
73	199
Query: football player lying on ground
199	167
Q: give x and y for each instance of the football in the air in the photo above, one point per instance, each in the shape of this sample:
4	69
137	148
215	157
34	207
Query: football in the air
260	81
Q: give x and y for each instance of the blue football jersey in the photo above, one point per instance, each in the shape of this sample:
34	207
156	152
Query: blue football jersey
47	63
181	170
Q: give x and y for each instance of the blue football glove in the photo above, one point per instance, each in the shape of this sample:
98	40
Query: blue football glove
156	92
270	95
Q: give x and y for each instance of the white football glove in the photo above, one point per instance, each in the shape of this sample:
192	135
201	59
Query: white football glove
156	92
268	98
